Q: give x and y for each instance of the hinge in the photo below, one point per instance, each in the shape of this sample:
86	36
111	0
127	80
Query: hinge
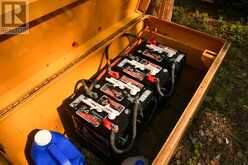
165	9
143	6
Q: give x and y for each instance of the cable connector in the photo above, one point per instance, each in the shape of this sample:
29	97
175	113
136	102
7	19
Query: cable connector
151	78
152	41
114	74
155	81
110	126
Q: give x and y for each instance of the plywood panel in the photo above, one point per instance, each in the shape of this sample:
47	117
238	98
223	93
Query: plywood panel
186	35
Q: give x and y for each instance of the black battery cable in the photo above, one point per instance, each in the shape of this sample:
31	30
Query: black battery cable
159	89
134	132
155	107
86	88
106	54
173	70
84	82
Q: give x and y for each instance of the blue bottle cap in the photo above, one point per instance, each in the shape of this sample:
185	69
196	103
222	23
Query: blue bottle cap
140	162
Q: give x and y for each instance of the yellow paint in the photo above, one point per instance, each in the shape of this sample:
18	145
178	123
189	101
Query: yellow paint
30	59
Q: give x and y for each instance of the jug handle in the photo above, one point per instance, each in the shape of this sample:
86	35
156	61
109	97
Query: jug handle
58	155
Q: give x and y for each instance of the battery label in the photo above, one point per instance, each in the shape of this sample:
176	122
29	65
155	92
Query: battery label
146	62
76	102
145	95
153	55
170	52
104	100
134	72
112	91
96	122
125	79
179	58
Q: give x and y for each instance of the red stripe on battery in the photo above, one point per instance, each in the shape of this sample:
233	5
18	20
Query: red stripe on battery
89	118
125	79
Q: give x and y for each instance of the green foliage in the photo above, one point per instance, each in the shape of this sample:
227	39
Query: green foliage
197	152
234	73
231	9
228	96
232	31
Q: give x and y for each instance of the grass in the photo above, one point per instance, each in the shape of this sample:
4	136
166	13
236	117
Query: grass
228	97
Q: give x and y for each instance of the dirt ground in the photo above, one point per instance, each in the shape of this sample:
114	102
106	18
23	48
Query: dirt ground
219	134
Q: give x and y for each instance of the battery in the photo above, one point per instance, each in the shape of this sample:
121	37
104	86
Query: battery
125	90
161	55
111	103
93	118
123	97
144	71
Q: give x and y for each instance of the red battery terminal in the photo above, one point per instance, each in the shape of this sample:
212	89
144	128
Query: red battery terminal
152	41
114	74
151	78
109	125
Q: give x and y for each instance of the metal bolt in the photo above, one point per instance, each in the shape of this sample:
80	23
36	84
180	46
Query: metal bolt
165	70
97	86
127	111
94	95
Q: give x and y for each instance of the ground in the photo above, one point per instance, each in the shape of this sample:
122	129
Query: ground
219	133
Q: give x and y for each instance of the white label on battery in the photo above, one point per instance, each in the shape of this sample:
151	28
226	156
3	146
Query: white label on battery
170	52
77	101
179	58
122	63
145	95
115	105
